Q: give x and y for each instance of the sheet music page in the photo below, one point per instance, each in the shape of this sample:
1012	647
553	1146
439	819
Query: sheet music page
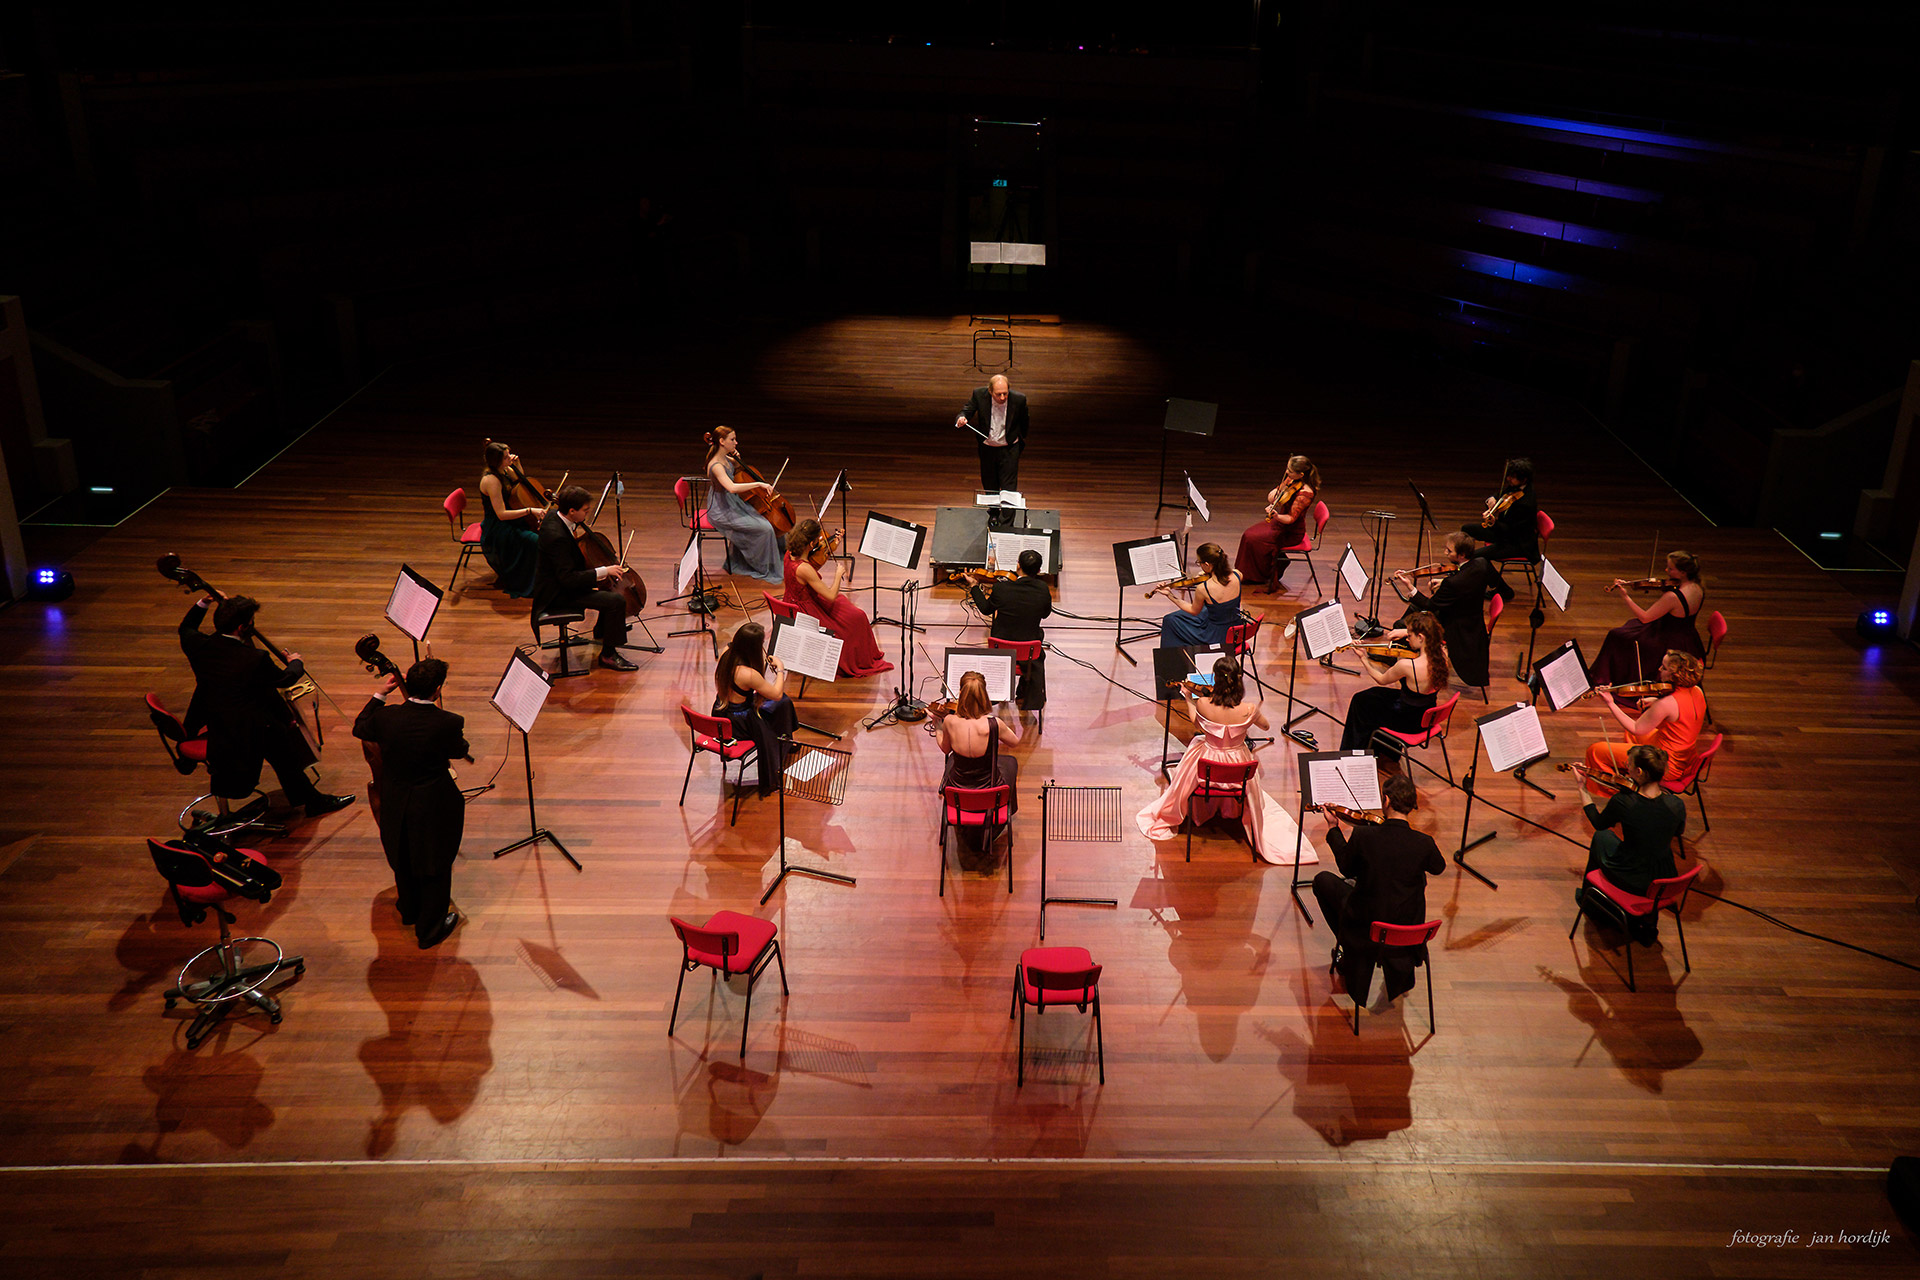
1324	629
522	692
805	622
996	667
833	491
810	765
411	606
1557	587
1326	784
689	564
884	540
1563	678
986	499
1512	737
807	651
1006	548
1155	562
1352	574
1199	503
1360	772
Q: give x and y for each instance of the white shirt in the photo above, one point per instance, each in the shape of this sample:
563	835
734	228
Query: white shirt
997	421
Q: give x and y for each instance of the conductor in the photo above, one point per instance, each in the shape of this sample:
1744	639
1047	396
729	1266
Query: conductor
422	814
999	415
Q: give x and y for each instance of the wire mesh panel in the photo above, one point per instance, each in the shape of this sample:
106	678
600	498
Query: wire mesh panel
1082	813
817	773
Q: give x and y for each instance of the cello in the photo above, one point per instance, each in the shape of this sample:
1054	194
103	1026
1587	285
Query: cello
777	511
597	550
522	490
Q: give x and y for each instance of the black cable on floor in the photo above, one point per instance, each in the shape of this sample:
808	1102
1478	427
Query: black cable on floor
1806	933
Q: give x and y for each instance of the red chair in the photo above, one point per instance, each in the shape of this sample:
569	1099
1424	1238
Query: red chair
189	752
1026	651
1242	639
1662	895
1543	523
989	808
1056	976
715	734
1716	632
1225	783
1305	547
728	943
1495	607
787	611
1433	724
1402	935
1688	783
191	878
467	535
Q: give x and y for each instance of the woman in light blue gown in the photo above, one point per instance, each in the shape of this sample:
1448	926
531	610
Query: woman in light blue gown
753	548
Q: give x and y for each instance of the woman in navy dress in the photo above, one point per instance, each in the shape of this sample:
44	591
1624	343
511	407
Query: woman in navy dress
750	689
1407	691
1213	608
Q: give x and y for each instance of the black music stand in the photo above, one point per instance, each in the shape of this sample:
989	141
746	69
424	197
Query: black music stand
617	486
1293	676
826	783
905	708
521	693
700	601
1123	569
1340	580
1467	784
1380	524
1538	618
1189	417
1425	523
876	533
1172	665
1308	800
413	605
1090	814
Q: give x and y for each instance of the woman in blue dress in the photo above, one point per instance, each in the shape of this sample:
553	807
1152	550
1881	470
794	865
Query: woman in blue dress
753	548
1214	607
508	542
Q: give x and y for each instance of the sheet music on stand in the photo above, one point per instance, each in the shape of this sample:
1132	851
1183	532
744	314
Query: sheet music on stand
805	650
1004	548
1352	574
995	664
689	565
522	691
1199	503
1155	559
1512	737
1562	675
898	542
1324	628
1350	778
833	491
1558	589
413	604
1004	498
818	773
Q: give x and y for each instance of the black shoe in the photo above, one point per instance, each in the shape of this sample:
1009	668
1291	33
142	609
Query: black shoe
614	662
324	804
439	935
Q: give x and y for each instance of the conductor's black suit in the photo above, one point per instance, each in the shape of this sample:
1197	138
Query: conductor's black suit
421	813
999	464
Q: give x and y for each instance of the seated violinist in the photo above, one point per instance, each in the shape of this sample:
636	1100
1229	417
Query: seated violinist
1511	523
562	580
1671	722
1016	606
1262	557
809	590
972	736
1648	818
1408	689
750	689
1665	623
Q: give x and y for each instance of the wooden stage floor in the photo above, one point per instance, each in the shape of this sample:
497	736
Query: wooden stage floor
1555	1121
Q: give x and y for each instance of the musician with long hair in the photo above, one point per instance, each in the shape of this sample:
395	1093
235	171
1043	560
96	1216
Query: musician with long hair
1262	557
972	737
1633	835
1633	650
753	548
750	689
1213	608
1513	532
1672	722
510	544
812	593
1408	689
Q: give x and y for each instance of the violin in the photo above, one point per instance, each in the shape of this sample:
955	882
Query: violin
1284	498
768	502
1373	816
522	490
1638	584
1434	570
1634	689
1600	777
1497	507
943	708
992	575
823	549
292	698
1180	584
1386	650
597	550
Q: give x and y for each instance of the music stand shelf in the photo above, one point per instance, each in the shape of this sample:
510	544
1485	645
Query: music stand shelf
826	771
1089	814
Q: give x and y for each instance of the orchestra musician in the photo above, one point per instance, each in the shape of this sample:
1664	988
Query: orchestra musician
563	580
972	736
750	689
1647	818
422	814
1673	722
236	697
1212	610
999	413
1409	688
811	593
1458	600
1016	607
753	548
507	537
1262	557
1511	526
1383	876
1635	647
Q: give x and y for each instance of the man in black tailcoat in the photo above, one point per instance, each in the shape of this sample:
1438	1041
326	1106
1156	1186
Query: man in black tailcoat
562	580
1458	600
1016	607
422	814
1383	876
999	414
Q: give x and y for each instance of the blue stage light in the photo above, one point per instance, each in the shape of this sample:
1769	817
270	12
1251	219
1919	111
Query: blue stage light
50	585
1876	624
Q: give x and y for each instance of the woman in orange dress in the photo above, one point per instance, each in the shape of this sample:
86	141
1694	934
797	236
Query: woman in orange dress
1672	723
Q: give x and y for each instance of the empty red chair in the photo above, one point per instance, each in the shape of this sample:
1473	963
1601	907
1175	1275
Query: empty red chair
728	943
715	734
1433	725
1716	632
989	809
198	886
1056	976
1628	909
1033	651
1688	783
1223	783
467	535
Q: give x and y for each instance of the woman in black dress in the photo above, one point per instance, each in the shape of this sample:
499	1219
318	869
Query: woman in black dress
972	737
1648	819
1408	690
1667	623
750	689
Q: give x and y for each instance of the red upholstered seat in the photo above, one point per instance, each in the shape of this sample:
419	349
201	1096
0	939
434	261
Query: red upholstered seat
731	750
1669	894
1634	904
194	749
715	734
208	894
471	533
1054	966
712	946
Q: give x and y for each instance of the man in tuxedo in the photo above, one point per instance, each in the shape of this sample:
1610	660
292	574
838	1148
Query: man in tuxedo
1016	607
1458	600
1515	533
562	580
237	699
422	814
1383	876
1000	414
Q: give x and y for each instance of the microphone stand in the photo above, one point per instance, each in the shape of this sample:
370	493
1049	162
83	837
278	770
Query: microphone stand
905	708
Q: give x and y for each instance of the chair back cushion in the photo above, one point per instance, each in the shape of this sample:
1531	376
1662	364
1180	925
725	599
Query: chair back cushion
1716	629
1320	517
1698	767
1437	718
1496	607
1059	975
1403	935
164	720
1242	636
1544	523
1023	650
718	728
1224	776
979	804
728	941
779	606
1668	892
455	507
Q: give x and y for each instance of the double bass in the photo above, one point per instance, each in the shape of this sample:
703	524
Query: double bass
367	649
295	699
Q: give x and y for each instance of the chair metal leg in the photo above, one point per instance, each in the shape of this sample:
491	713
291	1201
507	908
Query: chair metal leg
943	849
1448	761
1681	927
1020	1076
1189	828
458	564
1431	1024
738	786
1581	910
679	983
1099	1040
746	1017
1629	949
1009	855
689	778
1700	798
1015	1003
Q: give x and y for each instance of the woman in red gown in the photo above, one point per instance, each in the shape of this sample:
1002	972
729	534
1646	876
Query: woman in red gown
811	593
1288	523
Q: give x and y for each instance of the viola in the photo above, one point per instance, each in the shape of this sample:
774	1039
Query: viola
768	502
1387	651
1372	816
597	551
294	698
1178	584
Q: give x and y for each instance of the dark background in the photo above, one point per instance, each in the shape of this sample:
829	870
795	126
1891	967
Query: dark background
1700	221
